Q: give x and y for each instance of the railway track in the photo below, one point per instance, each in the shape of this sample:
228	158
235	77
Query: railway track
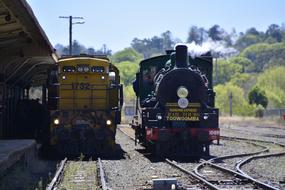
58	175
217	177
273	153
224	178
184	180
239	179
230	161
79	175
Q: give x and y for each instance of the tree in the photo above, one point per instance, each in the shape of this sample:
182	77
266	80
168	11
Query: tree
153	46
251	36
77	48
246	64
129	94
258	97
127	71
272	82
225	71
261	54
193	35
274	31
216	33
104	50
127	54
246	40
167	39
239	103
252	31
244	81
91	51
197	35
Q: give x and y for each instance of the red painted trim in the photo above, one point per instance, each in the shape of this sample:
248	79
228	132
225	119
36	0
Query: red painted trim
214	133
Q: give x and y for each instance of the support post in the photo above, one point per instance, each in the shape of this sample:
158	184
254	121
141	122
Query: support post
44	95
70	35
231	103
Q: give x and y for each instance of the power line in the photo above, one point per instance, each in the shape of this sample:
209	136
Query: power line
71	23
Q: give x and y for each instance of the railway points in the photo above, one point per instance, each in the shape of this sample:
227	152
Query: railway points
84	92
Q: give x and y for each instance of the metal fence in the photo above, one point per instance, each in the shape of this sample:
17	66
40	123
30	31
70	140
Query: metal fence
274	113
128	112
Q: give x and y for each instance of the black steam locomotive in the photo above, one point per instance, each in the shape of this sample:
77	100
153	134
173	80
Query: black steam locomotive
176	112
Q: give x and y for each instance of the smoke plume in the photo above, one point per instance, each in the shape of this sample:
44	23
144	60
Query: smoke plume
217	48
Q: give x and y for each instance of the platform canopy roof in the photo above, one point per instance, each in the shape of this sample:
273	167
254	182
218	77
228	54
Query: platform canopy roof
25	51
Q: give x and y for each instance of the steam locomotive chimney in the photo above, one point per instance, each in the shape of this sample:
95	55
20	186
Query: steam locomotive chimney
181	56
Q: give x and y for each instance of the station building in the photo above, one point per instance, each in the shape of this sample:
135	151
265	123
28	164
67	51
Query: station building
25	57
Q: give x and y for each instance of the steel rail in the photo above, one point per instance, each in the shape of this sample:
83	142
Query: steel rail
200	177
256	140
211	186
57	176
241	176
265	149
207	183
249	159
132	138
102	176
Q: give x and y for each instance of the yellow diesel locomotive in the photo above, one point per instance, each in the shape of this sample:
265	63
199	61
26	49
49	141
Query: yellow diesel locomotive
85	99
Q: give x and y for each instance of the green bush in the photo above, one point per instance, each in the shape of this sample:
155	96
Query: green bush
240	105
258	97
272	81
259	110
127	71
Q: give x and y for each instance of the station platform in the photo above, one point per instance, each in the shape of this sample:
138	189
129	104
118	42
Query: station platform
14	151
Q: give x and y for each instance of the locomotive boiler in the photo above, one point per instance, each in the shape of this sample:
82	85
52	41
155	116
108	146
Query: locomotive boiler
176	112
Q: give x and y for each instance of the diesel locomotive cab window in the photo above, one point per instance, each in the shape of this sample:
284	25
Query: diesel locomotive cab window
98	69
148	75
68	69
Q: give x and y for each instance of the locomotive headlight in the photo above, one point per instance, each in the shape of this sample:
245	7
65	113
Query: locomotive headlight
86	69
108	122
56	121
80	69
183	103
205	117
63	77
182	92
159	116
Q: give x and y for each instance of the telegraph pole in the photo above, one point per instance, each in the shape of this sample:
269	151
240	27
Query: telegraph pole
70	29
231	103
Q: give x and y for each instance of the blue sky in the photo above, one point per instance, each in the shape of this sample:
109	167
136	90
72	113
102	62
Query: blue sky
117	22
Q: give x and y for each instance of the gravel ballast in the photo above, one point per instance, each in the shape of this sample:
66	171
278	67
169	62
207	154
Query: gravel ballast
136	170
